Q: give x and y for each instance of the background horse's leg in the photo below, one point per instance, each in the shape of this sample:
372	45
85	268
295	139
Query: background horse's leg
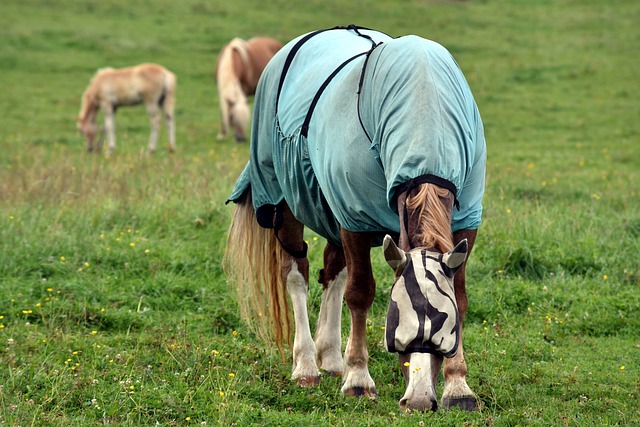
154	119
171	129
240	118
328	334
359	294
224	113
456	391
110	126
296	276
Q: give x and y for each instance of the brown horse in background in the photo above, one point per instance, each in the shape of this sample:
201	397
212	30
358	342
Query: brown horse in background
238	69
110	88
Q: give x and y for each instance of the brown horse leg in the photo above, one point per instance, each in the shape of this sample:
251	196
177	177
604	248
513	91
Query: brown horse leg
456	391
296	276
328	337
359	295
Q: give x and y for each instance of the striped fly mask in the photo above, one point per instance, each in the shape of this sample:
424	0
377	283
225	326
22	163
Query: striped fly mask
423	314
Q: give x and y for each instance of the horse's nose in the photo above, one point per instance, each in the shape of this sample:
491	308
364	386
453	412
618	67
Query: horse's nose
422	405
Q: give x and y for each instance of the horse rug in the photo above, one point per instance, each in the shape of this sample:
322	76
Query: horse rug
345	119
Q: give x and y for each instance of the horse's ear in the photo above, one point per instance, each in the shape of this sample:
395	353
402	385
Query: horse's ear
395	257
455	258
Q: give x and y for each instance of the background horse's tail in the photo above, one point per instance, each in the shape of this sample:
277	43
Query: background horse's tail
253	264
168	98
230	91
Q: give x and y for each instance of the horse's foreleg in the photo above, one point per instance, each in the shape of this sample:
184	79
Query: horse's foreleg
224	114
110	126
296	275
359	293
328	334
456	391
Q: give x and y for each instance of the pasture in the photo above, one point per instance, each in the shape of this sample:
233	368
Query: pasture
114	309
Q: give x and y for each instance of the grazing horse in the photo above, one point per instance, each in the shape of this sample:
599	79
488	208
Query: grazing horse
238	69
110	88
359	136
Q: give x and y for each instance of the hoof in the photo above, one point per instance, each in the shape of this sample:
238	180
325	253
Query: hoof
465	403
361	392
308	381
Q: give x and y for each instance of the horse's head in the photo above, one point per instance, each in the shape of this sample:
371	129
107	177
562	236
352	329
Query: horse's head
422	321
89	130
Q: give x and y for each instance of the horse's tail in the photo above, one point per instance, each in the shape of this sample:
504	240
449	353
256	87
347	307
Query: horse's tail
242	47
253	264
230	91
168	98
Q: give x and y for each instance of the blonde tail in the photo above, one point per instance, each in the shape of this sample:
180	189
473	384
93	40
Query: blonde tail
253	265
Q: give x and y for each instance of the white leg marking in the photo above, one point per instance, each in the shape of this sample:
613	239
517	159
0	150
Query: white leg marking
421	391
304	349
356	370
328	333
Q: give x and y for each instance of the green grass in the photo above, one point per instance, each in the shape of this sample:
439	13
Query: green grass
114	307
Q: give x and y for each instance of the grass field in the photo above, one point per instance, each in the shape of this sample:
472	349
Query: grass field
114	309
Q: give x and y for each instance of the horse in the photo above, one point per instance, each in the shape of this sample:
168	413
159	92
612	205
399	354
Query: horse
366	140
110	88
237	71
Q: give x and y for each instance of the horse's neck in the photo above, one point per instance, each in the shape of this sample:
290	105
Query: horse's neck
89	106
428	223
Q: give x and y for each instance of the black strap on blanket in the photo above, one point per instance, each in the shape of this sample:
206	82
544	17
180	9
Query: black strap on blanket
305	125
278	220
294	50
364	68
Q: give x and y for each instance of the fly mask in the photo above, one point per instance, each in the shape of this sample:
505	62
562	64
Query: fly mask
423	315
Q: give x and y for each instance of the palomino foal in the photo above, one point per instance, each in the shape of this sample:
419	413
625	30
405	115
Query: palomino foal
148	84
238	69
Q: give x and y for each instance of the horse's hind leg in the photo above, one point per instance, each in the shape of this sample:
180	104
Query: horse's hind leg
167	109
328	334
240	118
359	294
154	118
456	391
296	276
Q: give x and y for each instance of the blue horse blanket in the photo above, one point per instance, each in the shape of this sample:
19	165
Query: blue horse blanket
415	116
